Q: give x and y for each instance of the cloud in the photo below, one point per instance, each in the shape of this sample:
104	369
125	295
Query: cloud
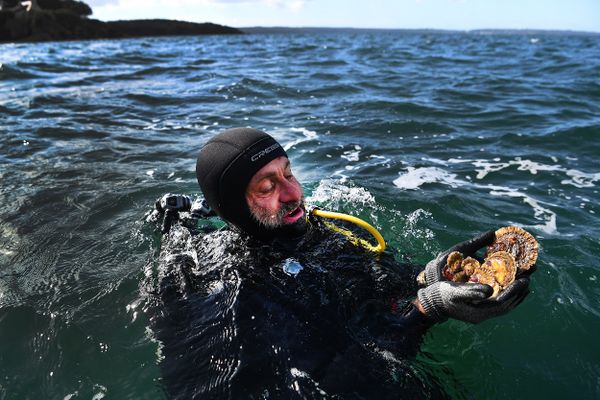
291	4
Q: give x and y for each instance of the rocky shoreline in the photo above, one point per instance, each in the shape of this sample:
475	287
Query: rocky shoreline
68	20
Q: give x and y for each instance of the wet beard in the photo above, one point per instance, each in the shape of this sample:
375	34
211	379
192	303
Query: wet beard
267	219
274	222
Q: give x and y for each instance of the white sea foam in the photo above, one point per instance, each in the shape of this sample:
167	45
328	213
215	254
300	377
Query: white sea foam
547	216
484	167
414	229
306	136
581	179
413	178
377	160
332	192
351	155
343	178
337	195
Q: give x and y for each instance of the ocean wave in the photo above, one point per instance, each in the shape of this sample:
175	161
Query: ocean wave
414	178
8	73
431	137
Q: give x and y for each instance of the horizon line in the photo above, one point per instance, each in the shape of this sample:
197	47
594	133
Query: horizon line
516	30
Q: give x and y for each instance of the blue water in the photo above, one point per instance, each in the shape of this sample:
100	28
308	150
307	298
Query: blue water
431	137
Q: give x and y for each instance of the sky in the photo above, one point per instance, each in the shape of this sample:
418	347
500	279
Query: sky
580	15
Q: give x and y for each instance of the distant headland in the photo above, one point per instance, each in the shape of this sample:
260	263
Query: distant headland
49	20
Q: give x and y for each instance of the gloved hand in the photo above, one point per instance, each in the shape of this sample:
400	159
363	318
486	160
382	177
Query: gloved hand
201	209
170	205
173	202
433	269
470	302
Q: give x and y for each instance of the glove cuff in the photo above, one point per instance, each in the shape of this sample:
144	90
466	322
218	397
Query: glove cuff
430	297
432	275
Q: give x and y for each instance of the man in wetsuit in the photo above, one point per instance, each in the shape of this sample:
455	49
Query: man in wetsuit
280	306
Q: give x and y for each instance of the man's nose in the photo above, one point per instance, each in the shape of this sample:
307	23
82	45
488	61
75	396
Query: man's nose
290	191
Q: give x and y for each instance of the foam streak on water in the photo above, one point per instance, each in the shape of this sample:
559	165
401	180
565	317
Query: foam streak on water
416	177
431	137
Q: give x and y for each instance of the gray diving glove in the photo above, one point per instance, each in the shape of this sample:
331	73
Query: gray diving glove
470	302
433	269
170	205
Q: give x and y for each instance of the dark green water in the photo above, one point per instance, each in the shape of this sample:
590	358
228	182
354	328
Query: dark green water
432	138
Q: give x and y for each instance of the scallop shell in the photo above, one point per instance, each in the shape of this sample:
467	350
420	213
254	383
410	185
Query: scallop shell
498	271
517	242
503	265
459	269
421	279
454	261
469	265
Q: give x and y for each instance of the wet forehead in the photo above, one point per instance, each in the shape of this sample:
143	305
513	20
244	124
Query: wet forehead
276	166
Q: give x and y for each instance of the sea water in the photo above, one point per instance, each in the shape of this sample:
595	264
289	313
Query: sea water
431	137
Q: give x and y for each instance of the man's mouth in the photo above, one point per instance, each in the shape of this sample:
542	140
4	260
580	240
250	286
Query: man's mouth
293	215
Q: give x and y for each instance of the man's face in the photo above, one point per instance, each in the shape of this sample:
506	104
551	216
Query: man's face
274	196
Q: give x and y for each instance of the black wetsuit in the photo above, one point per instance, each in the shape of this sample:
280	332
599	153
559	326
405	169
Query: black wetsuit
321	318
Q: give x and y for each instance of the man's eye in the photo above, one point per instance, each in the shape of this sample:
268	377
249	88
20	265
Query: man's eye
267	188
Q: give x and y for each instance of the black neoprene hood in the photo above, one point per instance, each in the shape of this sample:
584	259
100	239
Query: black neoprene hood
225	166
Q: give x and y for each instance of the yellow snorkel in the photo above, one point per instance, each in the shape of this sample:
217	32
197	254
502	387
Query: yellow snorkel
358	241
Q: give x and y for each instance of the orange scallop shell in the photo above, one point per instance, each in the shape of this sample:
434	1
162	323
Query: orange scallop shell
517	242
498	271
